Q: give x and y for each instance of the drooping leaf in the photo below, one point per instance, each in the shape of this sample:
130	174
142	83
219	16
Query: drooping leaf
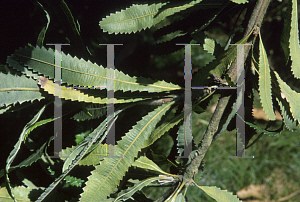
17	146
145	163
265	82
288	120
107	175
29	161
75	157
218	194
169	122
139	17
126	194
294	41
84	73
42	34
185	136
292	97
18	89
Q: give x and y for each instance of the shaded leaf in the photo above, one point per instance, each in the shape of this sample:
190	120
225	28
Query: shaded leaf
139	17
294	41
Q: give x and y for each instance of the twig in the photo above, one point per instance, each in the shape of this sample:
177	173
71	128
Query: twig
255	20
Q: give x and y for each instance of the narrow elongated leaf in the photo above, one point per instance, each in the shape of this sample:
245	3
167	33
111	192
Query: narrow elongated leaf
219	195
139	17
29	161
185	136
265	82
240	1
89	141
126	194
107	175
288	121
84	73
285	36
73	94
18	89
144	162
17	146
169	122
294	41
292	97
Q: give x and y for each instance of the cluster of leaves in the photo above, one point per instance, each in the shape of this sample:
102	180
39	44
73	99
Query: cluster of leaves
31	69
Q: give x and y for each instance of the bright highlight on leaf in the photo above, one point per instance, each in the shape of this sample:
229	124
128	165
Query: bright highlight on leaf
294	41
292	97
265	82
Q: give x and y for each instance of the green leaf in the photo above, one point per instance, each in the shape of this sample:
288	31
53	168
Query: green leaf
288	120
285	36
139	17
21	194
17	146
265	82
29	161
240	1
185	137
18	89
294	41
74	159
42	34
209	45
126	194
291	96
168	123
84	73
218	194
106	176
145	163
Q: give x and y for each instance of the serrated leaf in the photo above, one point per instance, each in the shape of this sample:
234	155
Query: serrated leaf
18	89
294	41
292	97
288	121
167	124
89	141
265	82
145	163
106	176
185	136
21	194
139	17
84	73
219	195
